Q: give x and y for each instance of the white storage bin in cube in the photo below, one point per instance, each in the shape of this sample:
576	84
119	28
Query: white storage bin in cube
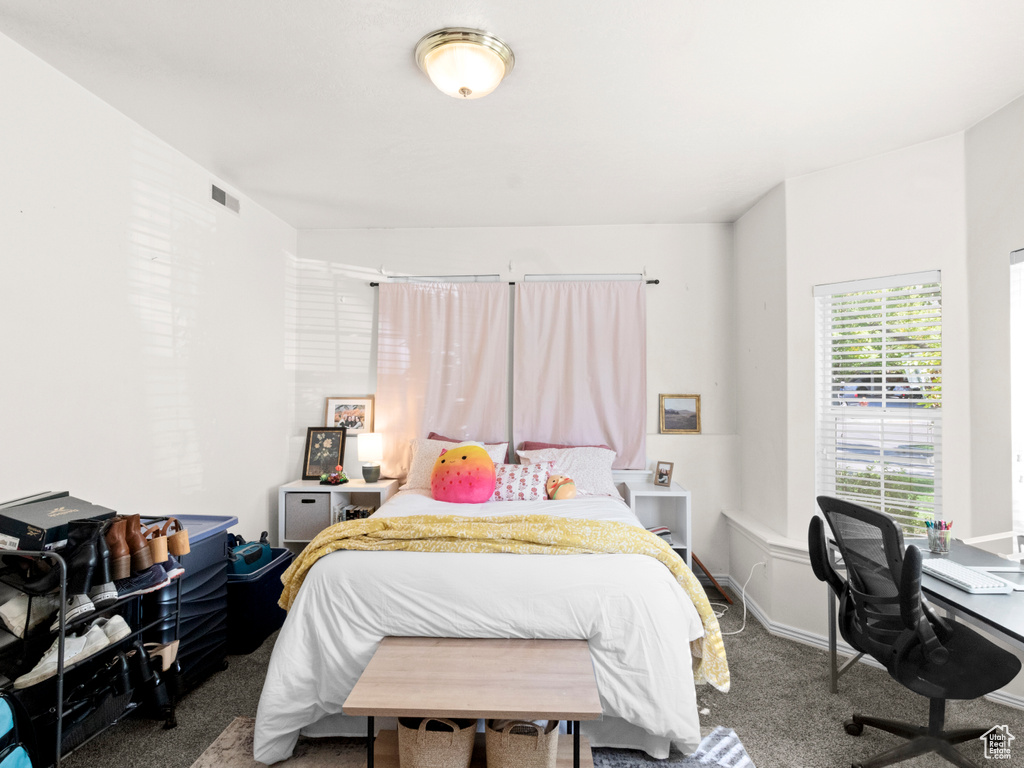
306	514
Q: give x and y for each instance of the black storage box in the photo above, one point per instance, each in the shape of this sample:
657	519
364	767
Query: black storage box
253	612
204	601
44	524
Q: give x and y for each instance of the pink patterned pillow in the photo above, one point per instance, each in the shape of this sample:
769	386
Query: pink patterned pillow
519	482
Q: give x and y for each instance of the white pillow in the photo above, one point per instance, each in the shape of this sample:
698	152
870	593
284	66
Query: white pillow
521	482
425	453
589	467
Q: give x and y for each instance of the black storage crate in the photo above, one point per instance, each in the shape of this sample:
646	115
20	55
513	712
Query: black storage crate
253	612
204	601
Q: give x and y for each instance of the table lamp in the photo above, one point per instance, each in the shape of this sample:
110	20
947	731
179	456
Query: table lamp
371	451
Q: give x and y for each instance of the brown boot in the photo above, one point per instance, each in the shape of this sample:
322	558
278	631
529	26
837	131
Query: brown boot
142	558
120	555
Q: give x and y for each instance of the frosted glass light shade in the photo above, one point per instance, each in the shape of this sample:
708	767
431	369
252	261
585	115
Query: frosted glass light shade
464	63
370	446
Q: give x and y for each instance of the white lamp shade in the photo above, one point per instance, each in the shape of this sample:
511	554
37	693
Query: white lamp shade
464	70
370	446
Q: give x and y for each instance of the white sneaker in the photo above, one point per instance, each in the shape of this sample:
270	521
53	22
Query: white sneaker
16	610
114	627
76	649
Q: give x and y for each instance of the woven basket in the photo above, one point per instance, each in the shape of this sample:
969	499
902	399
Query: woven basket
449	747
521	744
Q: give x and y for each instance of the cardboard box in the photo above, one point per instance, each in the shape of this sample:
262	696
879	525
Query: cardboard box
44	524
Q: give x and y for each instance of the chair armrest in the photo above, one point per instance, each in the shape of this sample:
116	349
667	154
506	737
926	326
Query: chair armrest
915	613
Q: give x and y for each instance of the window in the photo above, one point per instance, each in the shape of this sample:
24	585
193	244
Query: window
1017	384
879	395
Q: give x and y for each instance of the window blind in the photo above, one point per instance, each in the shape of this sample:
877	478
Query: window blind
879	395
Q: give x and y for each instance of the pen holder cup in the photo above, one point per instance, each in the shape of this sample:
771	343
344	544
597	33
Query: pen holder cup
938	541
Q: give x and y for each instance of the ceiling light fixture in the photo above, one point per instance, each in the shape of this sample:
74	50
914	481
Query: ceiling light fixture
464	63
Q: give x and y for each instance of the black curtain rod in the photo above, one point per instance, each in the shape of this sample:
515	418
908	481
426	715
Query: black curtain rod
513	282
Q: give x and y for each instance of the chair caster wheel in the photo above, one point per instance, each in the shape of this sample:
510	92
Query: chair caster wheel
853	728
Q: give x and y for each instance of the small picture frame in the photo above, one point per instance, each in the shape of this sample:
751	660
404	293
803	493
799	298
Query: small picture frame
680	415
353	413
325	449
663	473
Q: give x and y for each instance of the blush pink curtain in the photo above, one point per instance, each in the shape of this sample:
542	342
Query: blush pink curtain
580	363
442	365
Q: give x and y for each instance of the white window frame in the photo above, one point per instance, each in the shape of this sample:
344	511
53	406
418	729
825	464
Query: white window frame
1017	385
878	438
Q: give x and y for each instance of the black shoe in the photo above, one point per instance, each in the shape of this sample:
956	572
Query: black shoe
82	555
148	679
102	591
173	566
149	580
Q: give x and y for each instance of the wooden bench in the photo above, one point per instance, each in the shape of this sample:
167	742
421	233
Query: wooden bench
477	678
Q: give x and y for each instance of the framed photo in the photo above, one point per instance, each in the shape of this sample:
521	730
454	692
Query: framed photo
325	449
680	414
353	413
663	473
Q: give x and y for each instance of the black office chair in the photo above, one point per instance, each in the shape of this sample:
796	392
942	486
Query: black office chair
882	613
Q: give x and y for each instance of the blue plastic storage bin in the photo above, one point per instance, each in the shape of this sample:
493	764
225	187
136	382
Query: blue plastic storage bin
204	597
253	612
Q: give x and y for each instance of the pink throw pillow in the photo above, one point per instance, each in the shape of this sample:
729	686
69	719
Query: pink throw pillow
529	445
521	482
464	475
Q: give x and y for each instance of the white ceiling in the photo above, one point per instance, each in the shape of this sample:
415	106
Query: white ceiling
618	111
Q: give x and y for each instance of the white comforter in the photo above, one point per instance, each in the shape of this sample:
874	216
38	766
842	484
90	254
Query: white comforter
637	619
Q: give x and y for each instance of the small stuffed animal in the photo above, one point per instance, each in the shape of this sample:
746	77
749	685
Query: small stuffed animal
463	475
560	487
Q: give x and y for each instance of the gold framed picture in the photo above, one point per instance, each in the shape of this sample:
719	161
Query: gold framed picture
355	414
663	473
680	415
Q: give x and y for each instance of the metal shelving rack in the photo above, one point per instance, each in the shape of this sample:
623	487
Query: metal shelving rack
170	720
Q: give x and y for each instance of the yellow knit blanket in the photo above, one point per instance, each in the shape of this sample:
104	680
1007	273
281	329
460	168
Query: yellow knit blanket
519	534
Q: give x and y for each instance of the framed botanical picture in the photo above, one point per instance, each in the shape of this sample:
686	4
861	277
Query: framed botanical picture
680	414
325	449
663	473
353	413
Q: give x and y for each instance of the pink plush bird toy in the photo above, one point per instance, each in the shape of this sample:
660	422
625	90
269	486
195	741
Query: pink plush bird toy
463	475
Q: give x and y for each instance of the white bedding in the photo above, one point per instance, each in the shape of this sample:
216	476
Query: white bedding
637	619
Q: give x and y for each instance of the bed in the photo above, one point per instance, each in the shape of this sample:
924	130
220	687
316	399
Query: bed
630	608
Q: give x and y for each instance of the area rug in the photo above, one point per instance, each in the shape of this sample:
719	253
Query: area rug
233	749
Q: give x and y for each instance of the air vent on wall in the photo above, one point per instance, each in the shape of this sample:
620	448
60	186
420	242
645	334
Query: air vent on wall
222	197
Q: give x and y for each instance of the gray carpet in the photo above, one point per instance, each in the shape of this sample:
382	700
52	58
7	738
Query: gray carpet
779	706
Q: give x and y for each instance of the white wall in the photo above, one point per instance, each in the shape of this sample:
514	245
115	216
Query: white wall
892	214
995	227
143	350
896	213
760	299
690	326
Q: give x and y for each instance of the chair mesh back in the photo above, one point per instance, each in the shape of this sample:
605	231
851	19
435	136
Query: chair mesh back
864	554
871	544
